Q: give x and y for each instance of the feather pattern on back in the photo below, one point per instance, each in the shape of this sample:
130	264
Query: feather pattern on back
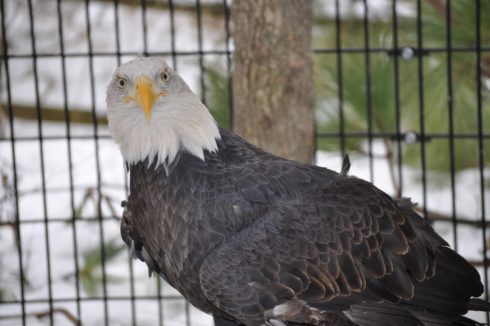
250	237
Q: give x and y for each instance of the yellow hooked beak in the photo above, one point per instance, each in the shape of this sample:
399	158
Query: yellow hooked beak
145	95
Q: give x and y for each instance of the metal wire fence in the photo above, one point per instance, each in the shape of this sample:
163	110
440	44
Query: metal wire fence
61	258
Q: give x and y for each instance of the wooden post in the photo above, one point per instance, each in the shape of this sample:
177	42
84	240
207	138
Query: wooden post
273	88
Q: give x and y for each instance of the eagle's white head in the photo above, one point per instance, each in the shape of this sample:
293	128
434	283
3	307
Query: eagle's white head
152	114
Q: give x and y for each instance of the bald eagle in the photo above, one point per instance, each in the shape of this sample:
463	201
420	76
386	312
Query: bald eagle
255	239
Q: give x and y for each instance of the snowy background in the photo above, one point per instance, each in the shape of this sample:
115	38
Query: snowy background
90	165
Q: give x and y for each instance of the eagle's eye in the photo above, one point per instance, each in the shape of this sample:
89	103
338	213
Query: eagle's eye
164	76
121	82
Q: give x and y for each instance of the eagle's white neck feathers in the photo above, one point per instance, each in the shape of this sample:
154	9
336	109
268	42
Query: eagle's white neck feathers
184	125
178	122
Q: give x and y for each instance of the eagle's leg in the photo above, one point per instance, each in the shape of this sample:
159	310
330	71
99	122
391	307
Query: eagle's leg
126	226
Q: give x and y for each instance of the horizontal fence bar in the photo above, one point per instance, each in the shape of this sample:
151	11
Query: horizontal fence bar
399	51
432	217
61	220
390	51
60	137
428	136
443	219
109	298
114	54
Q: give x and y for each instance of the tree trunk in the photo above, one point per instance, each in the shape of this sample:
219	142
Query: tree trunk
273	91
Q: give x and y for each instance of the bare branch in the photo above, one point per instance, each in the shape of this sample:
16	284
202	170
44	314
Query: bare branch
211	9
54	114
44	313
435	216
478	263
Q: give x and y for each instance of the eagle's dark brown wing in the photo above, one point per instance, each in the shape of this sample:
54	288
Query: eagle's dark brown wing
339	246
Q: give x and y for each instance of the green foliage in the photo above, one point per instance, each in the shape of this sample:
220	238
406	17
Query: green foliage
355	95
383	87
463	23
463	77
382	91
90	273
218	96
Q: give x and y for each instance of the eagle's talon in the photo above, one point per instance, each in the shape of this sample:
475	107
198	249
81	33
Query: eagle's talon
275	322
125	218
